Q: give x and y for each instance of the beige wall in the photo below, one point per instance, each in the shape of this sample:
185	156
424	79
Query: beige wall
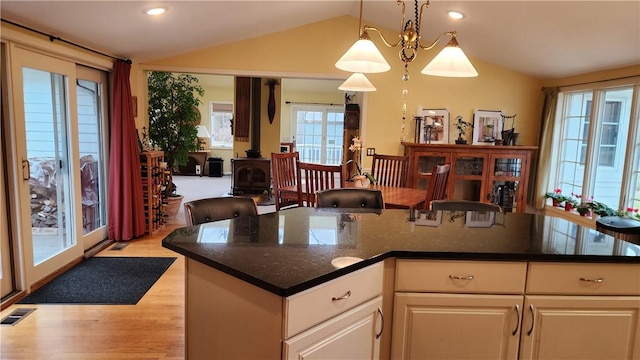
312	50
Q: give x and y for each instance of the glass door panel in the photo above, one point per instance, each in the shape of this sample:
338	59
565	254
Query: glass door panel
44	103
468	177
46	136
319	134
93	150
426	162
506	173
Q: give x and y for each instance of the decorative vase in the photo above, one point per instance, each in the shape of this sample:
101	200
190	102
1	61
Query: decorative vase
514	139
361	181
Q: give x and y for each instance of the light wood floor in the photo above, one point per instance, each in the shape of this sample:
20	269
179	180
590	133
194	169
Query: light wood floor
151	329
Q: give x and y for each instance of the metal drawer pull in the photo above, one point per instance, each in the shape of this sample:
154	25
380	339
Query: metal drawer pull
456	277
343	297
533	318
381	323
600	280
515	331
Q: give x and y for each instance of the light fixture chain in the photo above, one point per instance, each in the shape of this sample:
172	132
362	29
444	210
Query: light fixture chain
417	19
405	92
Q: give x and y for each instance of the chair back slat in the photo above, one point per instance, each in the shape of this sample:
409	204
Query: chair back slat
390	170
315	177
437	189
284	170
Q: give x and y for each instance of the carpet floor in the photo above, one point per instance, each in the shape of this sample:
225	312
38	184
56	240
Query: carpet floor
104	281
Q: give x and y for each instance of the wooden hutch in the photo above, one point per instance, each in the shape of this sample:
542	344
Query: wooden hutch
489	173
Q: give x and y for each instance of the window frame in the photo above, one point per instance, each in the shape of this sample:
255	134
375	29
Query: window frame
212	109
594	119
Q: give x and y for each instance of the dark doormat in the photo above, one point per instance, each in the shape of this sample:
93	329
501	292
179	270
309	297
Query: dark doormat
103	280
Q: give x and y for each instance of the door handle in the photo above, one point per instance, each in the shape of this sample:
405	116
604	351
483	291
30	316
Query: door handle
26	165
533	319
515	331
381	323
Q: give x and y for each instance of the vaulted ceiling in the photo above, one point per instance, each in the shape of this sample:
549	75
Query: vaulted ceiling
545	39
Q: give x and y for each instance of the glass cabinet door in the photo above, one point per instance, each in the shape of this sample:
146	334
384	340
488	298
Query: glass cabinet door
468	176
507	171
425	163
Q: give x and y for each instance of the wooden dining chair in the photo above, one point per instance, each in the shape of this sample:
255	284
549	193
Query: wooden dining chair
284	170
390	170
315	177
437	189
218	208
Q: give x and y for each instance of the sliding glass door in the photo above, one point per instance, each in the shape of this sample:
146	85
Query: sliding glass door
43	109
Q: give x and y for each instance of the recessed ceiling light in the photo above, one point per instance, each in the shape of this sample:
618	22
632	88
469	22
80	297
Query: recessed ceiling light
156	11
455	15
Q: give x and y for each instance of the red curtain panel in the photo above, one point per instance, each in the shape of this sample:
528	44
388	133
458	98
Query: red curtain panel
126	207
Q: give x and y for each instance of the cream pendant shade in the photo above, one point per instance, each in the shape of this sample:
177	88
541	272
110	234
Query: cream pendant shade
450	62
357	82
363	57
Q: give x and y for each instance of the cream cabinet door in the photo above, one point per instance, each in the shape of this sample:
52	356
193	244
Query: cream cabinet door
456	326
354	334
581	327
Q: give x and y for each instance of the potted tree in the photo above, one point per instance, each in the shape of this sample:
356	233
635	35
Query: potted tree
173	121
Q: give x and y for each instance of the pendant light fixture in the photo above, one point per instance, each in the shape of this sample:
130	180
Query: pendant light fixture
364	57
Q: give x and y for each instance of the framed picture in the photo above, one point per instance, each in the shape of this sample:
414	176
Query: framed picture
480	219
433	126
487	127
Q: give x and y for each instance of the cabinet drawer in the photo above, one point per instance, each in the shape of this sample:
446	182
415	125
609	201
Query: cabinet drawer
322	302
461	276
583	279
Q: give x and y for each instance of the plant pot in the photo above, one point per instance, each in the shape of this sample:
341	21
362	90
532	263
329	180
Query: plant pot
568	206
173	206
583	212
555	202
361	181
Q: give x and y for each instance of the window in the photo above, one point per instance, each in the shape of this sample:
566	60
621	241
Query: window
221	122
597	143
319	133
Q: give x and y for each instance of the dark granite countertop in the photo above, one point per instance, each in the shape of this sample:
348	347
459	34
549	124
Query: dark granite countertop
292	250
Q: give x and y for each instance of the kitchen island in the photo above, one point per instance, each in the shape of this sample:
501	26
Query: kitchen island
256	286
